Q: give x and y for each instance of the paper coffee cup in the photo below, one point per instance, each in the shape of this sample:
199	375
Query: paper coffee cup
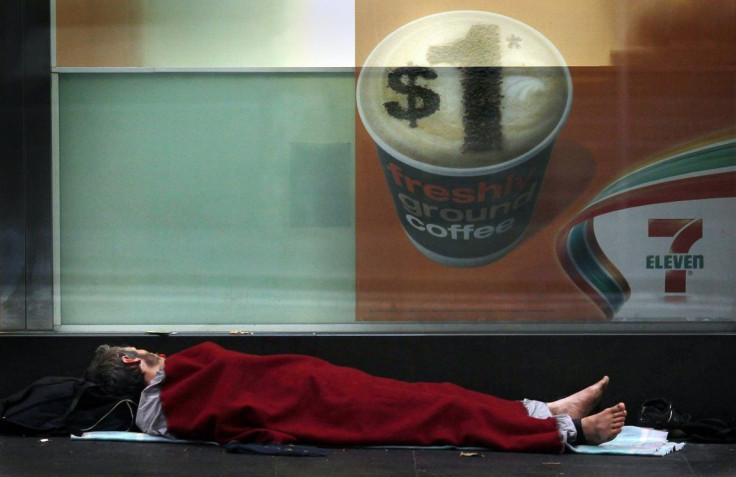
464	108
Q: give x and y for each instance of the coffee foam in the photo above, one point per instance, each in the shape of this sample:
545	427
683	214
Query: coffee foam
532	84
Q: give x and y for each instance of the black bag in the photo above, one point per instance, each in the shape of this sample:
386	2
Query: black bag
64	405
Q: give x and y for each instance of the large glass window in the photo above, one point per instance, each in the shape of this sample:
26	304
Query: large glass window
212	171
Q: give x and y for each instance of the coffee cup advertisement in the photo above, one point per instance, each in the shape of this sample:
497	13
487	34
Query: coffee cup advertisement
464	108
610	198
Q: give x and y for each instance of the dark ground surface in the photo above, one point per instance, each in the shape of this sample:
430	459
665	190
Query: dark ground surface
60	457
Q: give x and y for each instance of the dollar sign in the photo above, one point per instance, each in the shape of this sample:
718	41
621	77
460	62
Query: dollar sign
421	102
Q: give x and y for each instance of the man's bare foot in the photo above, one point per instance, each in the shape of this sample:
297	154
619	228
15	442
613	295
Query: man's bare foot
582	403
605	425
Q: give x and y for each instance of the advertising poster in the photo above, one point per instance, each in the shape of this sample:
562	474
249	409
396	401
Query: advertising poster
621	210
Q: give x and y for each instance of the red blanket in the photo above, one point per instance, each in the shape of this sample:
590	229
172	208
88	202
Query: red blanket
214	394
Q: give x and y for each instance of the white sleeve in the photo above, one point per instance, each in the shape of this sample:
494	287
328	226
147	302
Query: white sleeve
150	417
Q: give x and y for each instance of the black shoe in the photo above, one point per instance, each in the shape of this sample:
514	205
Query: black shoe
660	414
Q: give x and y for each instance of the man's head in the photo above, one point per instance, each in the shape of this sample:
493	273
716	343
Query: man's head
123	370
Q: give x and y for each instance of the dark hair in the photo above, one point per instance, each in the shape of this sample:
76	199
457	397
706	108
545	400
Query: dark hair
108	370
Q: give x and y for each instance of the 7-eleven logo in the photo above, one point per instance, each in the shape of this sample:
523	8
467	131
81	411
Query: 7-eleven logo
678	262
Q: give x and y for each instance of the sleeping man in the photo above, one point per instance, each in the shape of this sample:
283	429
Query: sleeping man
209	393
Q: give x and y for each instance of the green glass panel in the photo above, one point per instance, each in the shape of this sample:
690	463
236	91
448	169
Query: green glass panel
197	198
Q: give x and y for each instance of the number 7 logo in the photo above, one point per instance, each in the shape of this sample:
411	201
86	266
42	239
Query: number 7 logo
685	232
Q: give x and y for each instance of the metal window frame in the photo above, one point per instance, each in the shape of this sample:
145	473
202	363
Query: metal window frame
26	252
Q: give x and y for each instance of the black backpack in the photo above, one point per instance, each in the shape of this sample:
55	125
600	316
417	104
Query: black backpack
63	406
